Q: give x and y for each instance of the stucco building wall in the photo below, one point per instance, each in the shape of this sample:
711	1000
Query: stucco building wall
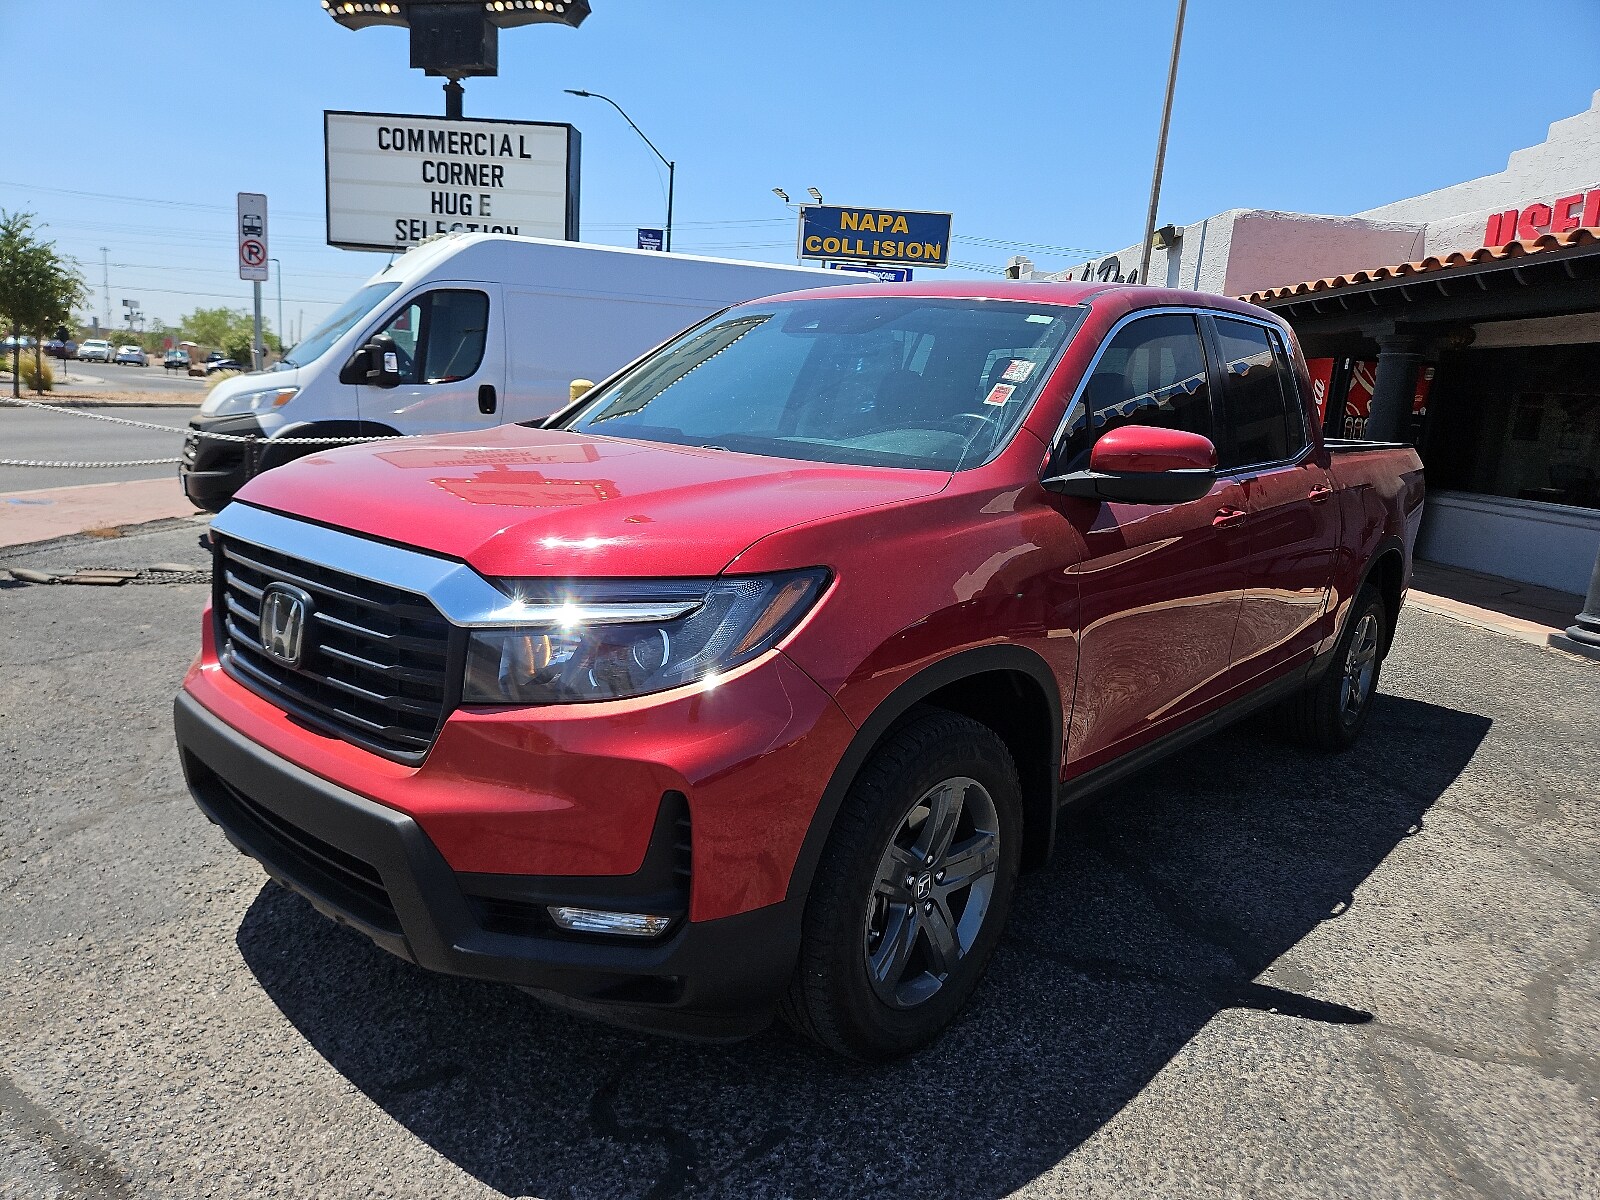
1243	250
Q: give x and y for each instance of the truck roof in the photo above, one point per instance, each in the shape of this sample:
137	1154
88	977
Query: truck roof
1130	295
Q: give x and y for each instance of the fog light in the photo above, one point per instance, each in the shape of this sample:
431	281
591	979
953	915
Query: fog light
596	920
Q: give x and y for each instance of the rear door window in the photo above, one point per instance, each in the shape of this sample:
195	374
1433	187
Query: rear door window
1152	372
1291	393
1264	421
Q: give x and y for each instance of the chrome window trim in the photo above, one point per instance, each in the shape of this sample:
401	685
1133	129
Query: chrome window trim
1160	311
462	596
1105	344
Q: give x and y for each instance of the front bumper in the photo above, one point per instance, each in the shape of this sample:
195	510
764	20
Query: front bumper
373	868
212	471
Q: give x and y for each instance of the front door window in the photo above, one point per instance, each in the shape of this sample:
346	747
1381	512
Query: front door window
440	336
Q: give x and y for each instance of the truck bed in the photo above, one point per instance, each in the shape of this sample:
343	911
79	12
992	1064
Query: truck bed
1359	445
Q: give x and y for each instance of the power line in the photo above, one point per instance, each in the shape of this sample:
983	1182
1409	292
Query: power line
213	270
189	204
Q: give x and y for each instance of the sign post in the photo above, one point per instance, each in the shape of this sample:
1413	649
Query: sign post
253	260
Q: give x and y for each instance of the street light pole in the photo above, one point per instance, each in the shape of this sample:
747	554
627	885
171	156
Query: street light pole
671	166
277	273
1161	147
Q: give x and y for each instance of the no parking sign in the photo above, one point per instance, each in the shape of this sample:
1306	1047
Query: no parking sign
252	236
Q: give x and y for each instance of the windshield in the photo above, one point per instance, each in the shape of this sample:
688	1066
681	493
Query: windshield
893	381
315	344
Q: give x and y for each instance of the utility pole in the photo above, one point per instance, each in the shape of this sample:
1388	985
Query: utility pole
105	282
1161	147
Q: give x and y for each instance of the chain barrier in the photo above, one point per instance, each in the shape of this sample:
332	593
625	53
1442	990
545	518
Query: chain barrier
126	462
249	439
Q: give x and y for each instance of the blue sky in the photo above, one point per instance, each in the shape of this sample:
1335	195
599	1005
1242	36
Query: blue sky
1033	121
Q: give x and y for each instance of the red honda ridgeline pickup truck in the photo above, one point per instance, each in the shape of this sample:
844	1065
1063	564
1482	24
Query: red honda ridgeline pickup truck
751	681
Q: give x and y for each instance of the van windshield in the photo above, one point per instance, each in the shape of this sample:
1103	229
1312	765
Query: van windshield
892	381
315	344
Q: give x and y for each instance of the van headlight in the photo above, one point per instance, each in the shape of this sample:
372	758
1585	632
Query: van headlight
562	642
256	401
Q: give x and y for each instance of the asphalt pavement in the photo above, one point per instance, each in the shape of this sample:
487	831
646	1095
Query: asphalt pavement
1249	972
33	434
94	376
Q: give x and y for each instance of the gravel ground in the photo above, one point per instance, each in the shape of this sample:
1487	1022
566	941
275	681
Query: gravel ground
1250	973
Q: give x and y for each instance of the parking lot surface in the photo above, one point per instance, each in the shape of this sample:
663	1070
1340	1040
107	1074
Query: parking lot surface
1249	972
36	435
118	377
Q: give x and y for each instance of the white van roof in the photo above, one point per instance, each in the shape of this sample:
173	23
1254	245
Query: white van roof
493	257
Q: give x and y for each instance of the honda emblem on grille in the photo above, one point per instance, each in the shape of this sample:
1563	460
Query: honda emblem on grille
283	622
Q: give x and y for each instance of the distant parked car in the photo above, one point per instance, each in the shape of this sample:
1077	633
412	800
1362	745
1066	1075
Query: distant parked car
56	348
95	350
223	364
11	343
175	360
132	356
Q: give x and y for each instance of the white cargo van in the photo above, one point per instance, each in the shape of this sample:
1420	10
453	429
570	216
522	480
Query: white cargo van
465	331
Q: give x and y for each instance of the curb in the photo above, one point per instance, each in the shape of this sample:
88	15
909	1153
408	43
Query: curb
1516	628
1561	641
67	540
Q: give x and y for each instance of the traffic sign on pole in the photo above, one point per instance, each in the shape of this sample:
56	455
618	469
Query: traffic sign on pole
252	236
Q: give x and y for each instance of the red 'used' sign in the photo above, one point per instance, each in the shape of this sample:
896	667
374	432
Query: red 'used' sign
1537	219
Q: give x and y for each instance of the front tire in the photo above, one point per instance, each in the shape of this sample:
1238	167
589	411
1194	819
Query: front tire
1330	714
912	891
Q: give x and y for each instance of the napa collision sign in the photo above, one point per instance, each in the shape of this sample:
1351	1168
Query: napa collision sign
393	180
889	237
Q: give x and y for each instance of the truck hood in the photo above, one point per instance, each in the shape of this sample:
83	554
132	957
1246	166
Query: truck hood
517	501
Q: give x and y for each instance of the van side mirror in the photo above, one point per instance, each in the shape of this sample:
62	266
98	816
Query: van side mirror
1143	464
376	364
577	388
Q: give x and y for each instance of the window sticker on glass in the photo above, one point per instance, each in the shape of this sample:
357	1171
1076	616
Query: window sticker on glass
1040	318
999	393
1019	370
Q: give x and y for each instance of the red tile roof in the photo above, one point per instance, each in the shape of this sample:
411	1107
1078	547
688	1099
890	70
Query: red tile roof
1540	245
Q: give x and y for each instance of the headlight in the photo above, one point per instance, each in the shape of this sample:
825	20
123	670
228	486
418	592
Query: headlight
257	401
616	638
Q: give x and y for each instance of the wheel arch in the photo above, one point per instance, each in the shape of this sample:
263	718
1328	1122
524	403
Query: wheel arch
1386	571
1010	689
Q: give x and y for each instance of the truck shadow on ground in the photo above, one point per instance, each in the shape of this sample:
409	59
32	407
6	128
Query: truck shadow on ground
1165	904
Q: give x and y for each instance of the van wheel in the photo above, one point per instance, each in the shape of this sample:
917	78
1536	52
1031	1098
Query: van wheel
912	890
1330	713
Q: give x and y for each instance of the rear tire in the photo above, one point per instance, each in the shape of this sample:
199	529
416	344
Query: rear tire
1330	714
912	890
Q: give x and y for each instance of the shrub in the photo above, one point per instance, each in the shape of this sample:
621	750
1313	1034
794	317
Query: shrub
37	375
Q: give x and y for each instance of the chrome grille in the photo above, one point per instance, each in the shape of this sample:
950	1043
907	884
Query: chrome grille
379	663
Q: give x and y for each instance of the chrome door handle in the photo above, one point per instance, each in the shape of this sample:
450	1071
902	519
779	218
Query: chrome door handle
1319	494
1227	517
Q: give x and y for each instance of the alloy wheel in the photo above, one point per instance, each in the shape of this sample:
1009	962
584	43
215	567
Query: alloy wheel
932	891
1360	667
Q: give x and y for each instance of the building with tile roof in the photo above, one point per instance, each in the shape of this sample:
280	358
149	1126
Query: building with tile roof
1465	320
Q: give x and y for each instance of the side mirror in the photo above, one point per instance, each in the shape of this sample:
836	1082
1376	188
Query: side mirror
1142	464
377	364
577	388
